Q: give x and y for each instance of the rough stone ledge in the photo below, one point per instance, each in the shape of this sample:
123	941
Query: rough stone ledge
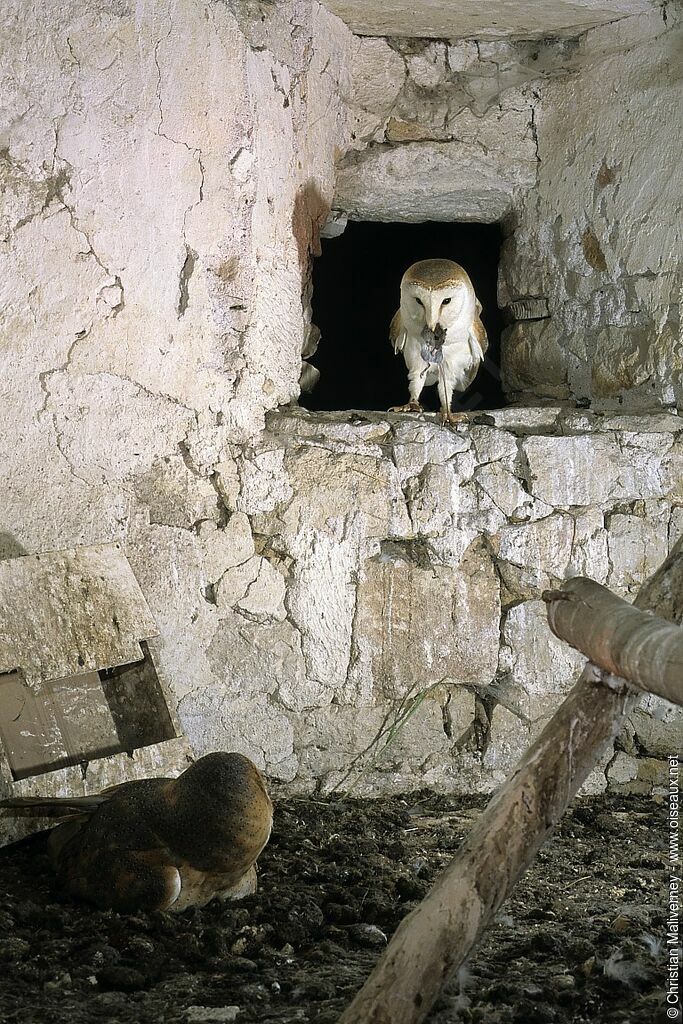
546	420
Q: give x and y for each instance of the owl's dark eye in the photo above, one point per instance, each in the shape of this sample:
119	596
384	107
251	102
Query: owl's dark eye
446	301
419	302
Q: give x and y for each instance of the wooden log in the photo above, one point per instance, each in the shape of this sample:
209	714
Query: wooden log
620	639
434	940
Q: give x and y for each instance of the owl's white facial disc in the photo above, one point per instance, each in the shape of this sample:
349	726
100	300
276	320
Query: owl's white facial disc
432	306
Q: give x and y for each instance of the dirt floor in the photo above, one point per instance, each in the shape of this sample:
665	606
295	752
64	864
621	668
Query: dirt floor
580	940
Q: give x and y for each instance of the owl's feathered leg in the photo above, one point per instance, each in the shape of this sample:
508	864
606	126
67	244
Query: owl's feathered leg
446	389
416	379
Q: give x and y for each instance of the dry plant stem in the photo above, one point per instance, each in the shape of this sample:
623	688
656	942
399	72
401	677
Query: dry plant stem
432	942
636	645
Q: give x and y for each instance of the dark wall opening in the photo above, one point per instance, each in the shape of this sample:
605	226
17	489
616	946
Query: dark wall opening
356	285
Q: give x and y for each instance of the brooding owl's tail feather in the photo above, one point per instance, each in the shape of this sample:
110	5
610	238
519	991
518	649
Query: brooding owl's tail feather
55	804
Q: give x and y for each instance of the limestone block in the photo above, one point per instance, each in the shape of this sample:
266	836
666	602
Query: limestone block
590	556
623	769
629	774
508	740
675	525
501	118
628	362
361	433
327	739
463	54
492	444
505	490
415	626
533	360
322	600
214	721
265	596
379	73
653	423
415	444
543	547
252	658
234	584
637	547
168	565
416	739
459	711
330	738
264	483
596	782
518	277
404	130
653	775
519	20
427	68
534	419
254	588
432	500
539	662
592	469
430	181
658	727
476	513
228	483
225	547
326	489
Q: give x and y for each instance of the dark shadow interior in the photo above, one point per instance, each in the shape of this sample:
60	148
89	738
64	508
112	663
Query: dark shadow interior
356	292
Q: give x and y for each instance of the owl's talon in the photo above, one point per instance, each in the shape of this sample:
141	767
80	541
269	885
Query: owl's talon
453	418
411	406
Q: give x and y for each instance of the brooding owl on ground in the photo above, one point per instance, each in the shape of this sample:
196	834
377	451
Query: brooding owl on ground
438	329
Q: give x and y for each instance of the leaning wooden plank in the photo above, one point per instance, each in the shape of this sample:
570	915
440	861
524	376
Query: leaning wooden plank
432	942
618	638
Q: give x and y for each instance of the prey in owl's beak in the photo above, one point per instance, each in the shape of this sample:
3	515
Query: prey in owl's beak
431	343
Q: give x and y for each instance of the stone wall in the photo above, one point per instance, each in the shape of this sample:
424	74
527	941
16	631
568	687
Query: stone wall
378	584
604	228
166	170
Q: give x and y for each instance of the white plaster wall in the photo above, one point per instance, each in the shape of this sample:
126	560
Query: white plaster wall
601	235
165	168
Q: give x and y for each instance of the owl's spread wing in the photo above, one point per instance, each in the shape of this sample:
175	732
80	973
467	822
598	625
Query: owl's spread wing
397	332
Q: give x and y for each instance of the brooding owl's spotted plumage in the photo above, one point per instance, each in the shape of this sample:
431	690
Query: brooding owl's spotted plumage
439	332
163	844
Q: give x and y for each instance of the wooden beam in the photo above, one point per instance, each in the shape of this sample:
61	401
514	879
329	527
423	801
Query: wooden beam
620	639
433	941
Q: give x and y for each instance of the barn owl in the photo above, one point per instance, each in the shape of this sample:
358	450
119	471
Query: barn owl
438	329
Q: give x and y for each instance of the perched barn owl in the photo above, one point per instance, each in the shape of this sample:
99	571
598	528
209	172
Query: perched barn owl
438	329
